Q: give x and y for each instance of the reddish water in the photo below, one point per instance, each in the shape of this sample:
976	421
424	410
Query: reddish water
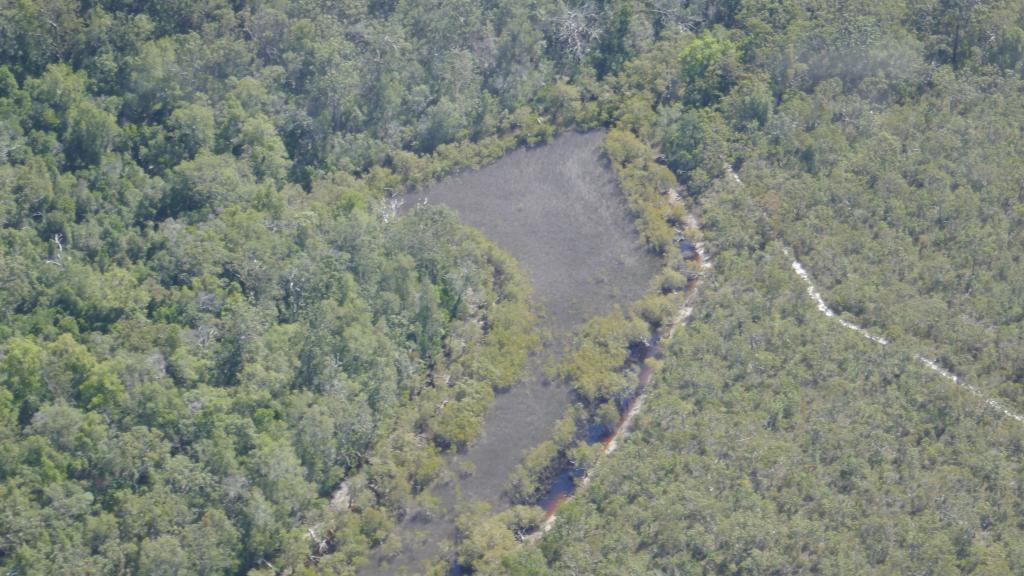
549	509
564	485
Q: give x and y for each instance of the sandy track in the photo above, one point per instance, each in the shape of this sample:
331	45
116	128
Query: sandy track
933	365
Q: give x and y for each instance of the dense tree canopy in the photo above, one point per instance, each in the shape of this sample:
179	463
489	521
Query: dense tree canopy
875	145
221	352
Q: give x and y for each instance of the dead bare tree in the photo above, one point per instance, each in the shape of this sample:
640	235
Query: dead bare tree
577	29
58	259
670	11
390	206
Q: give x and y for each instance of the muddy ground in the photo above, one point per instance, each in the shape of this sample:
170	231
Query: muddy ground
558	211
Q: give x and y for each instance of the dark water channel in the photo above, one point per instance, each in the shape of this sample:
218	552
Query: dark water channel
558	211
564	485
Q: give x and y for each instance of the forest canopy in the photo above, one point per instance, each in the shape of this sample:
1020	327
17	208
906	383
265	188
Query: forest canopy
222	352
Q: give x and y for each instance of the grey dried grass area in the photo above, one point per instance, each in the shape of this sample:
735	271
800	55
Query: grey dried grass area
557	209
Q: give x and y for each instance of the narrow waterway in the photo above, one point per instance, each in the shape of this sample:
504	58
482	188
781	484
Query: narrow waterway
571	480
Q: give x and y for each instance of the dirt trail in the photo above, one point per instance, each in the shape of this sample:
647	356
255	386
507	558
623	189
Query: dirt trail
931	364
819	301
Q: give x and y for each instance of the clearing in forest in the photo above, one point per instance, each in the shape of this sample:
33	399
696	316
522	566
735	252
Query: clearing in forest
557	209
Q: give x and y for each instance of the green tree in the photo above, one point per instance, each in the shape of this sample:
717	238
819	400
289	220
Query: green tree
22	375
709	67
92	132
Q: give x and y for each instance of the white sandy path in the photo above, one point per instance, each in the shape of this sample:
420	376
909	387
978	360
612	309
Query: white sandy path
819	301
812	291
931	364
